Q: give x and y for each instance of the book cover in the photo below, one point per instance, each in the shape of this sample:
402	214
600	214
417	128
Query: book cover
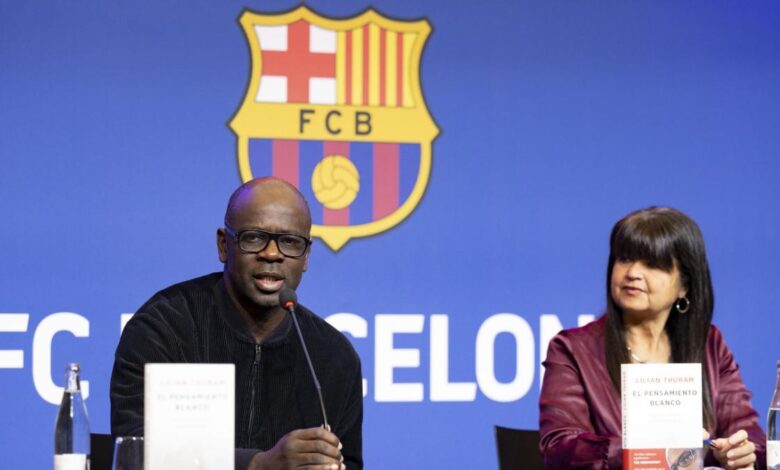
662	416
189	415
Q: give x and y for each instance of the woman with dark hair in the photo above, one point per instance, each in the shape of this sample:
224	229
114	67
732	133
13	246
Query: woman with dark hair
659	310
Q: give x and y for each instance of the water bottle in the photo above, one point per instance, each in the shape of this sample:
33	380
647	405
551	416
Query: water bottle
772	437
71	431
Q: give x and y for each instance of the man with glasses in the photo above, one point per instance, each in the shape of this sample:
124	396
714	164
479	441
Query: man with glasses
234	316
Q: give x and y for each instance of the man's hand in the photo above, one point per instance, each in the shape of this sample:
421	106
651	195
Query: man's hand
736	451
310	449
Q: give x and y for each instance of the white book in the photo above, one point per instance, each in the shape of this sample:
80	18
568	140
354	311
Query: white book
189	416
662	416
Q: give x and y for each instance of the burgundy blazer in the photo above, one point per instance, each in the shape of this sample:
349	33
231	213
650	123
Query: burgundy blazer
579	408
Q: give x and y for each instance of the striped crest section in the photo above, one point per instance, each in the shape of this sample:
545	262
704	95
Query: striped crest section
388	173
335	107
370	67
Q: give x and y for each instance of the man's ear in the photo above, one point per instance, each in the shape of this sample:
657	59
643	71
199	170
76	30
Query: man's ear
222	245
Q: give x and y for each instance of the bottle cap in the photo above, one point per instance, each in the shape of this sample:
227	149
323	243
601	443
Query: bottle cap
72	382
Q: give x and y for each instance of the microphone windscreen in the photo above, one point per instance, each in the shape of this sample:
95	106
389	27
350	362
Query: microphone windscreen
288	298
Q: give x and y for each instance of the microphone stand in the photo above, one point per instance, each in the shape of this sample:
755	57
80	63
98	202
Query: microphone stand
290	307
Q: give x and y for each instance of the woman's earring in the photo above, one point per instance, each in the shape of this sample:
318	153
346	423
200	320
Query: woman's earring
683	304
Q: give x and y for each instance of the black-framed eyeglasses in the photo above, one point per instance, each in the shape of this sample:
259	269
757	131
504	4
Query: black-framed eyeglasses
254	241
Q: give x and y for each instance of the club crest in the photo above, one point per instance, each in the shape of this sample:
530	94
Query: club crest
335	107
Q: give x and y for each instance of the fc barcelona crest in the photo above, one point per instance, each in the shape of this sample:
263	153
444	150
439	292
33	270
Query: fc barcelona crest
335	107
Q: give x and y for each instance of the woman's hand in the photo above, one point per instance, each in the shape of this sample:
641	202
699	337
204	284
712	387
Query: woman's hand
735	452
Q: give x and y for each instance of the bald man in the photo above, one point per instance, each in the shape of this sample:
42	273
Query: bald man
234	317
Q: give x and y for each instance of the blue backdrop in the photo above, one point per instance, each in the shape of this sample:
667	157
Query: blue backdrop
556	118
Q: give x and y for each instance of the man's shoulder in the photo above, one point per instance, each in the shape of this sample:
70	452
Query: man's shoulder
184	293
325	334
180	305
164	329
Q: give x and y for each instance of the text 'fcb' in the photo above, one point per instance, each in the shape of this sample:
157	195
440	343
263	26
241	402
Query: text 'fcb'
333	121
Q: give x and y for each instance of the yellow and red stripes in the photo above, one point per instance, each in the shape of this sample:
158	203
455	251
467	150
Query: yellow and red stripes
372	67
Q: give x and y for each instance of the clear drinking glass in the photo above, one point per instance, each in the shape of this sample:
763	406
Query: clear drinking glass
128	453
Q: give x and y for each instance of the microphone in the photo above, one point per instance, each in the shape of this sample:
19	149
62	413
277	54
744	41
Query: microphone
288	300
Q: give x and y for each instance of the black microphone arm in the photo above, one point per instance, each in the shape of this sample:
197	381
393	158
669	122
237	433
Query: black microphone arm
288	300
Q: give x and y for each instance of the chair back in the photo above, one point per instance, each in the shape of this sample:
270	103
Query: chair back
101	448
518	449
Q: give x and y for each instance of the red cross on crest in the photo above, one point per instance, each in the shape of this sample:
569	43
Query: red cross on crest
298	63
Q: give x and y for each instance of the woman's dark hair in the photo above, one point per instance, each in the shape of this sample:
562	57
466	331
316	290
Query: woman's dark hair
663	238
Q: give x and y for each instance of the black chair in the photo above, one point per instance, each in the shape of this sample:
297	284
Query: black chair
518	449
101	451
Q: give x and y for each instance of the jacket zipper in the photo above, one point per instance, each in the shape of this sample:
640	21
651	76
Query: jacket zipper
255	366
